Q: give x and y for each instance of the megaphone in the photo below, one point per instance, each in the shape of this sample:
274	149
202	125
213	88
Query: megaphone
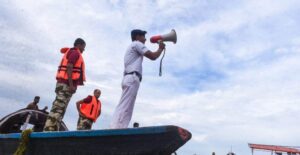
166	37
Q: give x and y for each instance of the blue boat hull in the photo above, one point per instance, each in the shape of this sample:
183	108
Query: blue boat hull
158	140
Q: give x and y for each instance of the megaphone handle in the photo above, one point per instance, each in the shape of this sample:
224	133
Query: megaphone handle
160	66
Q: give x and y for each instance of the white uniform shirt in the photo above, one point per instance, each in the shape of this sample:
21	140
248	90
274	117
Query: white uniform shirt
134	57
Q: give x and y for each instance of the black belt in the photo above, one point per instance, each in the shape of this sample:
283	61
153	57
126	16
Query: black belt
136	73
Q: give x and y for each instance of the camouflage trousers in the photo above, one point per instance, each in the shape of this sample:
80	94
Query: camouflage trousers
59	107
84	123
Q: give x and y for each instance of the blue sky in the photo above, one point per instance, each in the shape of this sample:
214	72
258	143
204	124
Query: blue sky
231	79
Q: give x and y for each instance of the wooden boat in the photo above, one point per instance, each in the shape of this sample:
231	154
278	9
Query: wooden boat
155	140
14	122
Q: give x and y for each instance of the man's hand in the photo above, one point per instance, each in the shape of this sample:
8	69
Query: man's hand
69	72
72	89
81	114
46	107
78	107
155	55
161	45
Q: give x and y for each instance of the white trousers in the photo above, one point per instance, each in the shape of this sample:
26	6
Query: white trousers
123	111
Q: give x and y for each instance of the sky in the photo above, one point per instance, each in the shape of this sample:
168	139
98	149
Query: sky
231	79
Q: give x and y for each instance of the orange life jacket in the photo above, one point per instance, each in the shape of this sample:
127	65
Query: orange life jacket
78	69
91	110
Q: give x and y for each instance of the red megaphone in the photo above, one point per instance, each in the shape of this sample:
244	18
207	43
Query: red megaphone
166	37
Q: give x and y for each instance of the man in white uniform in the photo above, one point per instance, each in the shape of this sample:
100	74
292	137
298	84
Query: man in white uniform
132	77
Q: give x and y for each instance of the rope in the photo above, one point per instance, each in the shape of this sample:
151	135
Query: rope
24	142
160	65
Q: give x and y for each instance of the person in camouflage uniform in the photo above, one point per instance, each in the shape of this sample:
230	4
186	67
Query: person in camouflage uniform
89	110
70	74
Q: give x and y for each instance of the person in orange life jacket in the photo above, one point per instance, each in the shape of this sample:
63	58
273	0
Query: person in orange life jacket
89	110
70	74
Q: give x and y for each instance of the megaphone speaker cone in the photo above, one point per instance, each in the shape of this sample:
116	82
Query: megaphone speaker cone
166	37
